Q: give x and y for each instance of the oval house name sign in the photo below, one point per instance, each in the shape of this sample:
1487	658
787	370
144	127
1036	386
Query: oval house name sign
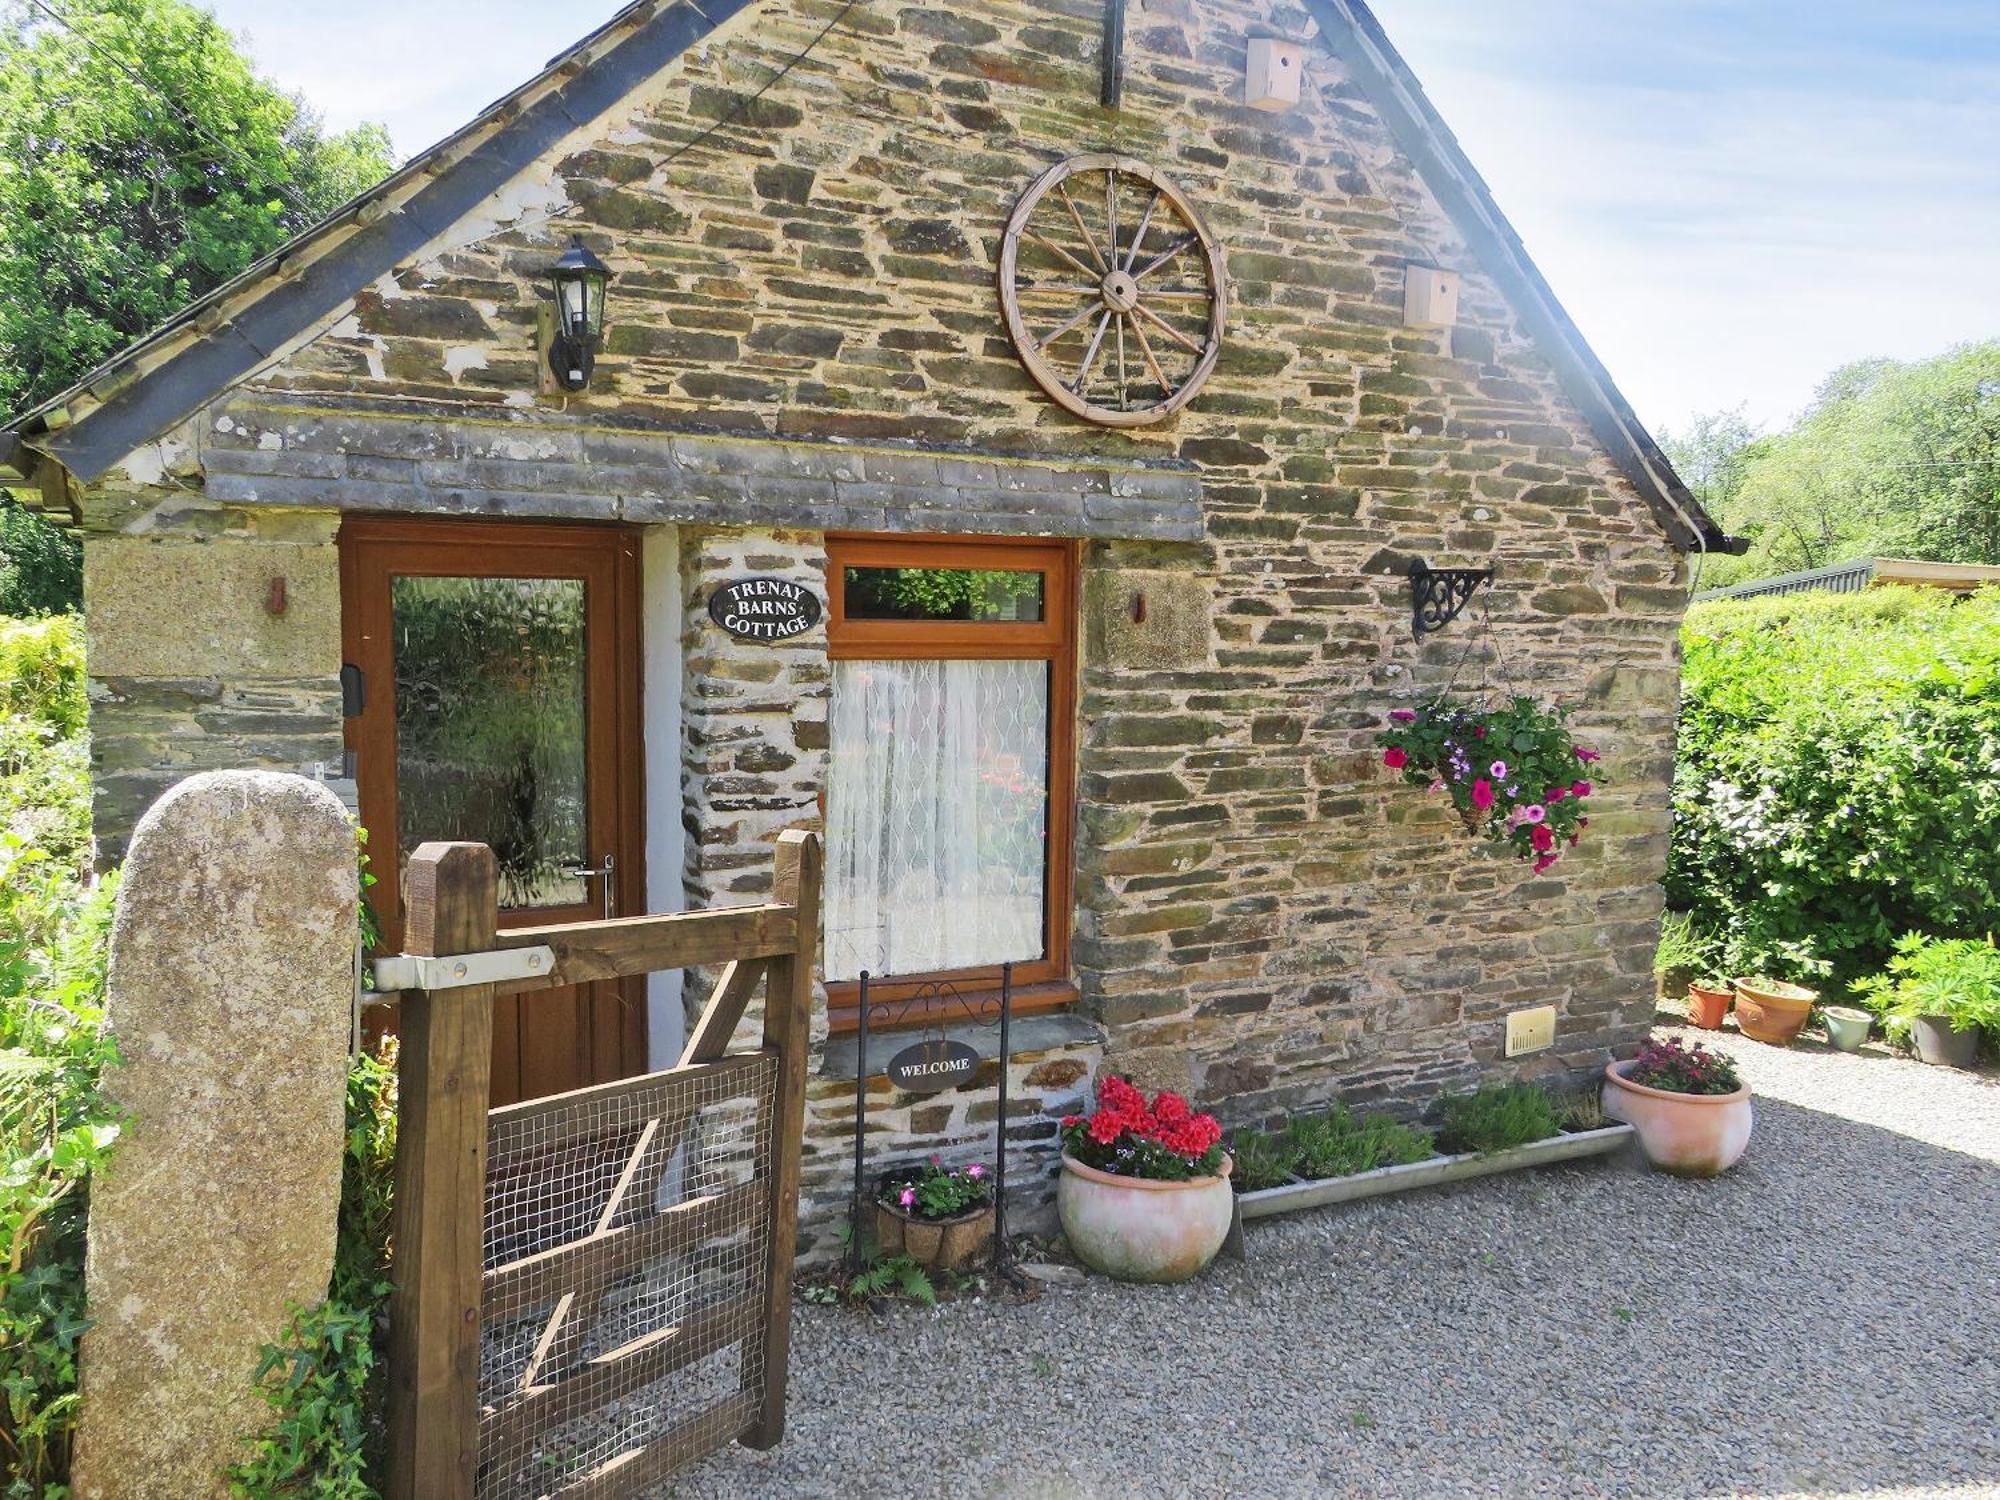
764	609
932	1066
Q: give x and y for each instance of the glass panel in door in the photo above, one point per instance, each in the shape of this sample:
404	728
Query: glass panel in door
490	735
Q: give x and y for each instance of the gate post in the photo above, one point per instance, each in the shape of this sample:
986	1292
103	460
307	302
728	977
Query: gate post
230	986
787	1030
444	1085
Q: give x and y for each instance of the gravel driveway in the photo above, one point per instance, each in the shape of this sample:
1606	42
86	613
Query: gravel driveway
1825	1320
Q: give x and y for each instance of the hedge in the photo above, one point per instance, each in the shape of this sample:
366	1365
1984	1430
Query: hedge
324	1381
1838	781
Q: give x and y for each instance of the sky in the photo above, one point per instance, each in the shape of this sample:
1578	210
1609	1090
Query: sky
1731	197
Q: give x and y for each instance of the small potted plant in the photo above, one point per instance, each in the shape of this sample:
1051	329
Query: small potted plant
1846	1027
1940	993
1513	774
1708	1002
1144	1193
1688	1104
938	1216
1680	961
1770	1010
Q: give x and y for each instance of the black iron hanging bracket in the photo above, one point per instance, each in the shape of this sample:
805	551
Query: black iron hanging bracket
1113	93
1438	594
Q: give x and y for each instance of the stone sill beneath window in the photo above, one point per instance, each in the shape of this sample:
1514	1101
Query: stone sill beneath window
1025	1033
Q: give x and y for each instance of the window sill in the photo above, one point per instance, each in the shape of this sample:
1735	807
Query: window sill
974	1006
1033	1033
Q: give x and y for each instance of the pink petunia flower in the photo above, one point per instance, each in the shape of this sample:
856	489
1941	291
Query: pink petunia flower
1498	770
1482	794
1545	861
1555	794
1403	716
907	1197
1542	837
975	1171
1534	812
1395	757
1585	754
1581	789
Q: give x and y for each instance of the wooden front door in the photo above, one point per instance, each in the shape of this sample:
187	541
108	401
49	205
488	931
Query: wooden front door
493	695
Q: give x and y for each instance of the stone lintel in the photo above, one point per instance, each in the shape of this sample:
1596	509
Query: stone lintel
363	460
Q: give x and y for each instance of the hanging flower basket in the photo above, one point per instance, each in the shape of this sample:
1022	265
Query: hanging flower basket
1514	775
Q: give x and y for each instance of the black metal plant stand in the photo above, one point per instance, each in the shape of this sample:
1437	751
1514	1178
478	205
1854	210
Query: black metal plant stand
982	1011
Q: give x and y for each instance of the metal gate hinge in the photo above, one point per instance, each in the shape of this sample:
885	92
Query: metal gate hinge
410	971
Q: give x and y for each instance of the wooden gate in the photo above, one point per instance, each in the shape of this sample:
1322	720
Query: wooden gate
591	1289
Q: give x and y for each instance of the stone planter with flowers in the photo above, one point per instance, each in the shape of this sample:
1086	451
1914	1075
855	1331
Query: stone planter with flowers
1691	1109
1513	774
940	1217
1144	1193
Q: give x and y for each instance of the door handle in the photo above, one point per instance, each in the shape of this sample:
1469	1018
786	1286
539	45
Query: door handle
603	872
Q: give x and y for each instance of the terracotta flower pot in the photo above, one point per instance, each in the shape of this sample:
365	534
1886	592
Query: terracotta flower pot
1707	1006
1136	1230
1772	1012
1937	1043
1690	1135
1846	1027
940	1244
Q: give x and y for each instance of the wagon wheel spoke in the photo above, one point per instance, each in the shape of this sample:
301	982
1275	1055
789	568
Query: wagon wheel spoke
1152	359
1111	213
1052	287
1081	313
1145	223
1179	294
1053	248
1124	398
1167	328
1076	217
1090	354
1186	240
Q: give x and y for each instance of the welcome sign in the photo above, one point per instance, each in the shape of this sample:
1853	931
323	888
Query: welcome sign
764	609
932	1067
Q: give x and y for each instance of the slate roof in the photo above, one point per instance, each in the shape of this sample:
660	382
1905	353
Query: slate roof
164	378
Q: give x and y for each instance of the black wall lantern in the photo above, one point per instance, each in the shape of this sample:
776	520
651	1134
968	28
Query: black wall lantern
578	279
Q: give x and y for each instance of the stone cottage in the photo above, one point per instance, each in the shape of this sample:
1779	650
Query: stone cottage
1004	441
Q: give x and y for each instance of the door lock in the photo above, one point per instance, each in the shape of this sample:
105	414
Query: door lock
603	872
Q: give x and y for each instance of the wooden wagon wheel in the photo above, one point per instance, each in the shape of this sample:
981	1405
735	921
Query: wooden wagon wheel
1113	290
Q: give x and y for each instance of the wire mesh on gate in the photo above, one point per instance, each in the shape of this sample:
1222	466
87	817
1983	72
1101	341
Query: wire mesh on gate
626	1273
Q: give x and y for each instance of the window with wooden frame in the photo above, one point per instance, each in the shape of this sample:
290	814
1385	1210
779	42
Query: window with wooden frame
951	780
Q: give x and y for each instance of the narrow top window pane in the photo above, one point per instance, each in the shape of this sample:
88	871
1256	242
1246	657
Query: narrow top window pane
981	595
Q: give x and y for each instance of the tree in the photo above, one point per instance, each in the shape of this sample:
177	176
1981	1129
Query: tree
1890	460
41	567
142	163
1710	456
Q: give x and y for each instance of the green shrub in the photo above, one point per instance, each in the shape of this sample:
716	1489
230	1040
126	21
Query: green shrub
55	1126
1339	1143
1496	1118
41	565
1262	1160
1835	786
55	1132
1957	978
325	1383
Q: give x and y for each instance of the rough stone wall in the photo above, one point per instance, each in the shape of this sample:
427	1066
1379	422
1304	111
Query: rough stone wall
190	669
1265	917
